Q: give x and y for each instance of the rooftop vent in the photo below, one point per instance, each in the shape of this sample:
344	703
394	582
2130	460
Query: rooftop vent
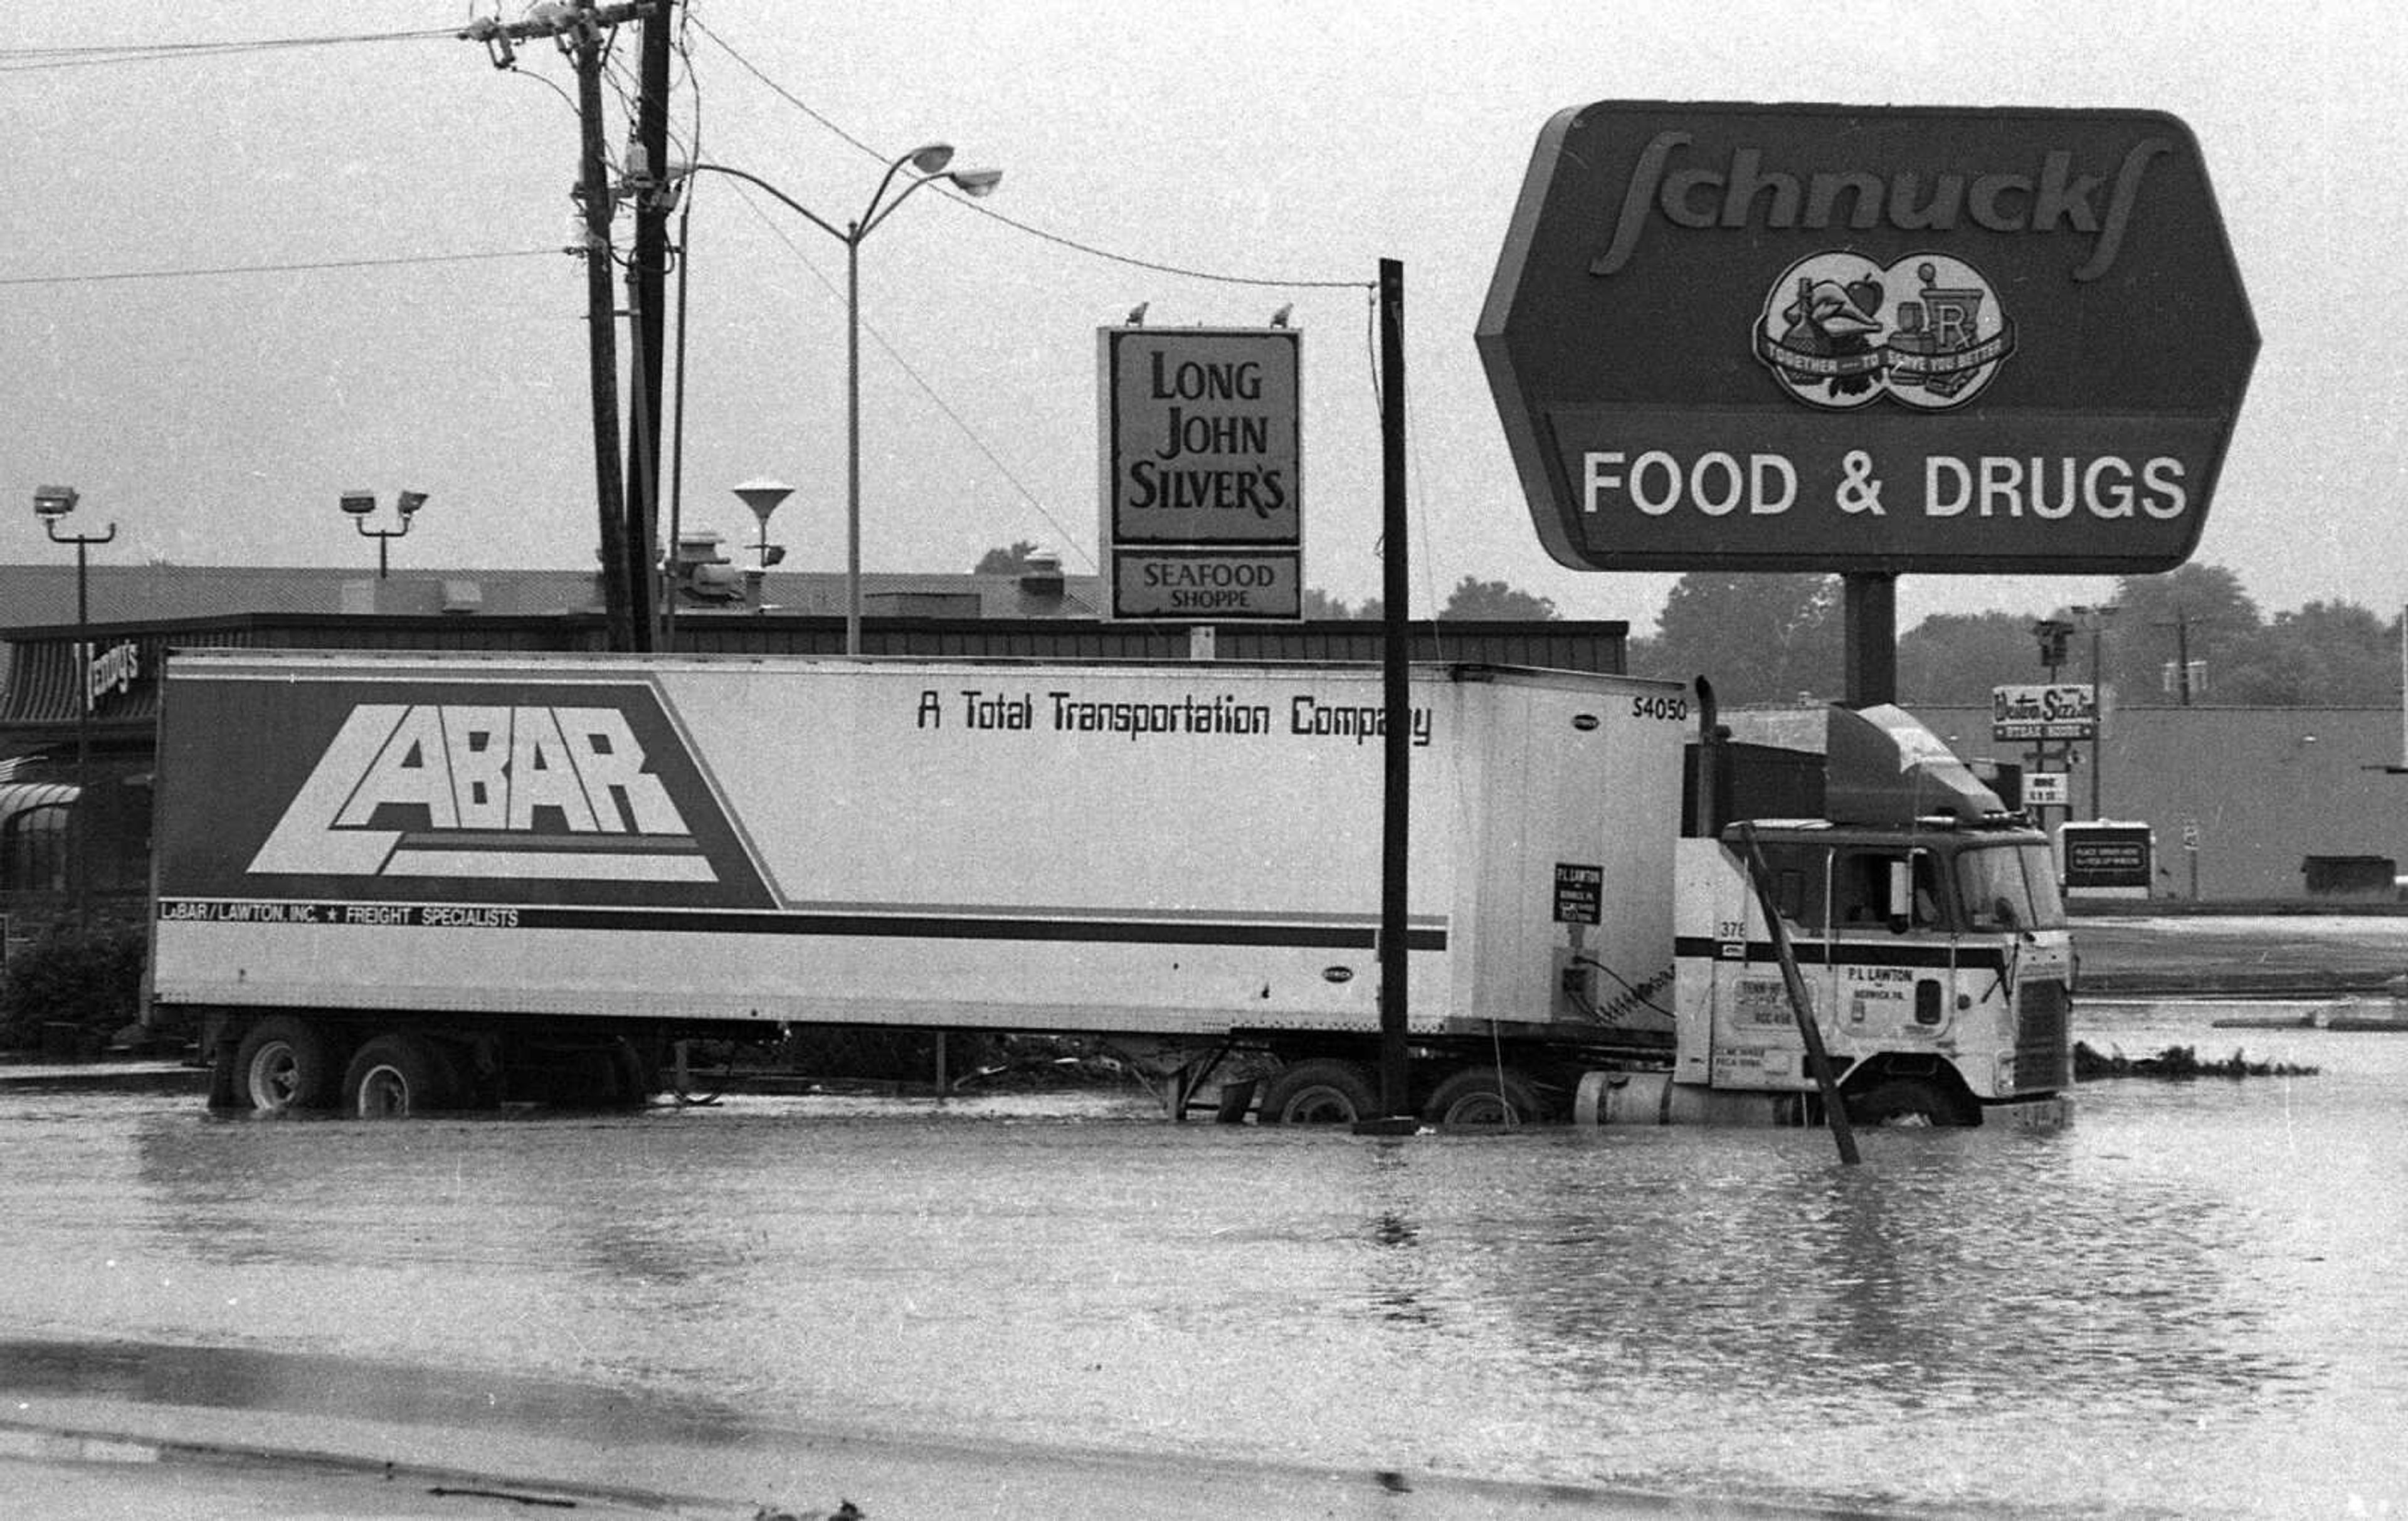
1041	574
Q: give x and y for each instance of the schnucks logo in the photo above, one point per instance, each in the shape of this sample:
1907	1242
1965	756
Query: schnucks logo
1839	331
542	791
2064	199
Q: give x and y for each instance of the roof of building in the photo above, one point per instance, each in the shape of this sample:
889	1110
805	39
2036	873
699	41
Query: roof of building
44	595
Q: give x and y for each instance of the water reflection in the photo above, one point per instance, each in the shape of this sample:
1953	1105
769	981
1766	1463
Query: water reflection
2176	1298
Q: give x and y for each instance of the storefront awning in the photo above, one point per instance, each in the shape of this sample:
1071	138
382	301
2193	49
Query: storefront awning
25	797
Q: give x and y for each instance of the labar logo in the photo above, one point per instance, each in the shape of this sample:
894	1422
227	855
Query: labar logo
466	790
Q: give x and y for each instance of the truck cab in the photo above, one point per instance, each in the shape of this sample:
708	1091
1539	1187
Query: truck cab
1926	929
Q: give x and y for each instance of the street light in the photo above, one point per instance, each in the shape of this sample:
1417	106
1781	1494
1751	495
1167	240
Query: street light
52	504
360	503
763	497
2094	620
930	162
2052	634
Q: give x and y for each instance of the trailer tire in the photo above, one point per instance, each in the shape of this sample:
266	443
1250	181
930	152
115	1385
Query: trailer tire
1322	1090
1903	1103
399	1075
284	1063
1487	1096
632	1079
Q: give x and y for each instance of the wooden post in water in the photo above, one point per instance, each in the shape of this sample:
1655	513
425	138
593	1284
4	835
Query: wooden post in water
1819	1061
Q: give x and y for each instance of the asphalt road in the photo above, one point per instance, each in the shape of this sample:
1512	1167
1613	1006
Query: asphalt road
2239	954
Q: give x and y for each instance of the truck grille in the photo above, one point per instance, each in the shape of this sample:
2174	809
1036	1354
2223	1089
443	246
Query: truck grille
2043	1061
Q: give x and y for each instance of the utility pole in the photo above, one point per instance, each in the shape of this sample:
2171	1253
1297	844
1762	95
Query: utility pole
579	32
2180	624
647	281
593	196
1395	587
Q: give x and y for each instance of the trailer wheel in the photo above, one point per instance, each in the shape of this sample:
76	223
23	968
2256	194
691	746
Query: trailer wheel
1320	1091
637	1077
1903	1102
396	1076
284	1063
1487	1096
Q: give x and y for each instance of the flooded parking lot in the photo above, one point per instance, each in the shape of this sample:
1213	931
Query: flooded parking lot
2189	1304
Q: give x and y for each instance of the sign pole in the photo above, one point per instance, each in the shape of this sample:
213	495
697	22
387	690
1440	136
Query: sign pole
1397	769
1871	621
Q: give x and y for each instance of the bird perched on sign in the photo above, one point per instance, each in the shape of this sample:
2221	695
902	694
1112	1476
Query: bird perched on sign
1137	314
1279	318
1835	321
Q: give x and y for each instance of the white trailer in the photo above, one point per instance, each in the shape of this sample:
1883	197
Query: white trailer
469	852
398	882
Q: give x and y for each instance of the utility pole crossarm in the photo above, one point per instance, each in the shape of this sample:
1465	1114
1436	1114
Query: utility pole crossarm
553	21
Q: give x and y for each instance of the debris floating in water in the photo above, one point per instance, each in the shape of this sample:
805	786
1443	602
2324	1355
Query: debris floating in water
2175	1062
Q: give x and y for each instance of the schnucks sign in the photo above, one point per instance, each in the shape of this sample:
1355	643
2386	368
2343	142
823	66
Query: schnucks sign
1864	338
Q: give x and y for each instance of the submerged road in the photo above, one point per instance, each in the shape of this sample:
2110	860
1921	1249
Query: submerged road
1060	1306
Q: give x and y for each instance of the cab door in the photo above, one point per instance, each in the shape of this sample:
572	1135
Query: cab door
1895	958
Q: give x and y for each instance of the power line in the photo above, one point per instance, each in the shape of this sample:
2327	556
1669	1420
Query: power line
274	268
25	59
779	90
1160	269
1074	244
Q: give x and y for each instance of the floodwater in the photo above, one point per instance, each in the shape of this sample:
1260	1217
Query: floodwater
2193	1302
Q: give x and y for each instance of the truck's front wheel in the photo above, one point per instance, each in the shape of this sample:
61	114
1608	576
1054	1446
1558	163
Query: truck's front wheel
1487	1096
1904	1102
284	1063
1320	1091
396	1076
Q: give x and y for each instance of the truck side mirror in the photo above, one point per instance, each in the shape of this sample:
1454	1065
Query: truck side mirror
1901	898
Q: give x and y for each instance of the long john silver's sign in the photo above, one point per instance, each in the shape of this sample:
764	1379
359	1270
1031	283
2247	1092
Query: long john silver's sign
1742	192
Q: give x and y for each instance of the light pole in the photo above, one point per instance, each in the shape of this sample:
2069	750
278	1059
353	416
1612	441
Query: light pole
360	503
51	504
2052	632
926	163
2094	620
763	497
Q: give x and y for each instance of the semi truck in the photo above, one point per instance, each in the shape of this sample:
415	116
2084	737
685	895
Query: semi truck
390	882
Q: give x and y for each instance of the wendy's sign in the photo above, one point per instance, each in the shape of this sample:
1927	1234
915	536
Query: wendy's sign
1866	338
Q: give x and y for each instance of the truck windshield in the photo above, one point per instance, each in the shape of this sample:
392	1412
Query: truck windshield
1998	882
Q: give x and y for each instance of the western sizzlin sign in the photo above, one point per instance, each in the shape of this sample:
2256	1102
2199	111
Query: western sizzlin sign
2069	710
1202	509
1866	338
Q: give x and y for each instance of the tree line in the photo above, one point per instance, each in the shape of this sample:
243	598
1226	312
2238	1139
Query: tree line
2192	635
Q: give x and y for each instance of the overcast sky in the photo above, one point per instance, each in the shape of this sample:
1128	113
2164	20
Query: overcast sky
217	417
